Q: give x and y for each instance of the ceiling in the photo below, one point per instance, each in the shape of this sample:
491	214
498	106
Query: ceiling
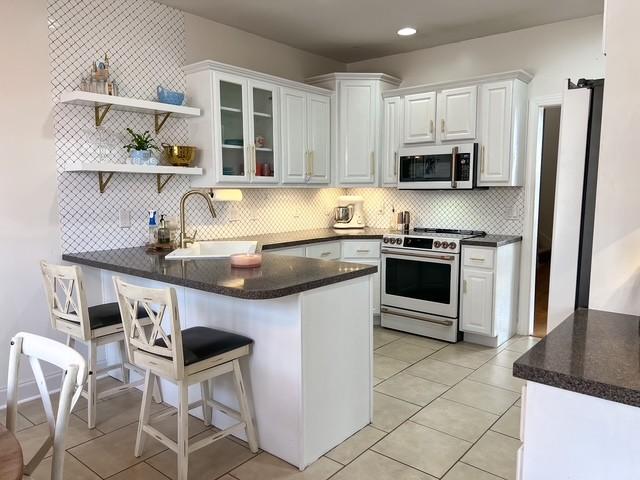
353	30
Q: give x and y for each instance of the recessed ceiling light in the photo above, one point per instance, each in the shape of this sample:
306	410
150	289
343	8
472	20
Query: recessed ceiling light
406	31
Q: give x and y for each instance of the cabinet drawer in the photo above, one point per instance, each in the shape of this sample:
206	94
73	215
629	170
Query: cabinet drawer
324	251
360	249
478	257
292	251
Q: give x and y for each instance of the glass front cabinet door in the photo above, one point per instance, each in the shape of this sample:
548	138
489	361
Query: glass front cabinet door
246	135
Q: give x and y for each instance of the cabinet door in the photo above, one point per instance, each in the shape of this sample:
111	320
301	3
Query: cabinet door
457	108
294	136
233	139
496	100
319	138
263	132
391	138
357	131
420	117
477	301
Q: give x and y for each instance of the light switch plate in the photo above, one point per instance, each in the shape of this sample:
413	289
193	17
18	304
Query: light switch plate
125	218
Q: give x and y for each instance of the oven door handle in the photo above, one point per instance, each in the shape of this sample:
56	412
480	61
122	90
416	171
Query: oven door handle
449	258
446	323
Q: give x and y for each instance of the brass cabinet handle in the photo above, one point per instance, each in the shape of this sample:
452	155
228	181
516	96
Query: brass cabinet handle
312	157
325	254
464	286
431	127
363	251
373	164
442	126
482	154
476	259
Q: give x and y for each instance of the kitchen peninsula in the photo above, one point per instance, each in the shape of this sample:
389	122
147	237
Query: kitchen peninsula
310	371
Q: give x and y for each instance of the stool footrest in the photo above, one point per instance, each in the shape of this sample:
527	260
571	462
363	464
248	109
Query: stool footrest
220	407
161	437
237	428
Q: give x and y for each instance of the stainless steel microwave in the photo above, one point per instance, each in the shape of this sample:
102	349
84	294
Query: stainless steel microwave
438	167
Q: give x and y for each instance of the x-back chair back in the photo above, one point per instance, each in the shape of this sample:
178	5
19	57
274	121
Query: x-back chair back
152	348
66	299
74	367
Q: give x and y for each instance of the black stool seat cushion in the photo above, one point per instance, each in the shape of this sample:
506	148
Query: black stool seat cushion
108	314
200	343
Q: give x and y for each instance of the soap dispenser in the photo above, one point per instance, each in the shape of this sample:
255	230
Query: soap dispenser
164	234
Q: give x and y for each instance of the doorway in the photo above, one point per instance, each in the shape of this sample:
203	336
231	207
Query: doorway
548	170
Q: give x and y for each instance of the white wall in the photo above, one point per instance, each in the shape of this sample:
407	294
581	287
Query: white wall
615	275
28	206
550	52
208	40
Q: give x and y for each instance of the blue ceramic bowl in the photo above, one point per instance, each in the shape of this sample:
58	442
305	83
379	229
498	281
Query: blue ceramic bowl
169	96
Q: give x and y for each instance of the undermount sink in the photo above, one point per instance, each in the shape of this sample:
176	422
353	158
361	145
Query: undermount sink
213	249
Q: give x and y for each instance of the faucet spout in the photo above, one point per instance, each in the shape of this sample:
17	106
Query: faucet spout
184	239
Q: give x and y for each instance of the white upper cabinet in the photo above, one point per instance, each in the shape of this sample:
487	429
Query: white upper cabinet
503	107
256	129
294	136
357	124
357	105
391	139
319	138
420	118
457	110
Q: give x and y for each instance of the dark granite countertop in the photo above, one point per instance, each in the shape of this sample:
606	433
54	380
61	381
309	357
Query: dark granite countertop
592	352
492	240
278	276
291	239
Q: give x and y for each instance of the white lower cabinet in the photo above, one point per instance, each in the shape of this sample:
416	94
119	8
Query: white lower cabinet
365	252
477	301
489	298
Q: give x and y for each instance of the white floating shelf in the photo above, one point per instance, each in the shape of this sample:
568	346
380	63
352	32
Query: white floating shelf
263	115
234	147
264	149
127	104
111	168
229	109
103	103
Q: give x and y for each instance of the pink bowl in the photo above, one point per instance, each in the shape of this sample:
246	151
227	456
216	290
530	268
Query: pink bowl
246	260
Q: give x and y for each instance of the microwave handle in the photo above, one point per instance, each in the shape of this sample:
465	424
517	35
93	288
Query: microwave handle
454	161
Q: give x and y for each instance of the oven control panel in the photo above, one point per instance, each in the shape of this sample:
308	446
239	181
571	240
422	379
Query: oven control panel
421	243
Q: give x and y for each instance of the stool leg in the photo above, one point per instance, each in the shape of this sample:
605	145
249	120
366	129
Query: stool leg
183	430
245	411
145	411
157	393
206	395
123	359
92	392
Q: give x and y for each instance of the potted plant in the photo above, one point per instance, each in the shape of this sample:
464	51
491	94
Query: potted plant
140	147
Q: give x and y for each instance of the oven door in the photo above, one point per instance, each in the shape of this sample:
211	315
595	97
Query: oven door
424	282
437	167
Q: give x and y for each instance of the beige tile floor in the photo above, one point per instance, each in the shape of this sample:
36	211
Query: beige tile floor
440	411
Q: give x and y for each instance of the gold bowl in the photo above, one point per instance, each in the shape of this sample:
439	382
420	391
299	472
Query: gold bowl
179	155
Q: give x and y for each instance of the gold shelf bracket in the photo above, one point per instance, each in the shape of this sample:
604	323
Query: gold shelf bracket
160	118
162	183
100	113
104	181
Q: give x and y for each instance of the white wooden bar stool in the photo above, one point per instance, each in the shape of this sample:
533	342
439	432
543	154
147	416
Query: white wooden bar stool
94	326
74	367
184	357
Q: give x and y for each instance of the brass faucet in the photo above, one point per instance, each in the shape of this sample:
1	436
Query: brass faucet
184	239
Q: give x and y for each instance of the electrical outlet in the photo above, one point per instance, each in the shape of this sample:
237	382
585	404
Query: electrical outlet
234	213
296	213
382	207
511	213
125	218
252	215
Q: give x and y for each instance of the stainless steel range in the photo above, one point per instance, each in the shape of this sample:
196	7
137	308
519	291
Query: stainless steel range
420	280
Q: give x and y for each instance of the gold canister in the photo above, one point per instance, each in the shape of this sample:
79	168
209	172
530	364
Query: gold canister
179	155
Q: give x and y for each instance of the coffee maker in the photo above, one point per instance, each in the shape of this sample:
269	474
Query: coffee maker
349	213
